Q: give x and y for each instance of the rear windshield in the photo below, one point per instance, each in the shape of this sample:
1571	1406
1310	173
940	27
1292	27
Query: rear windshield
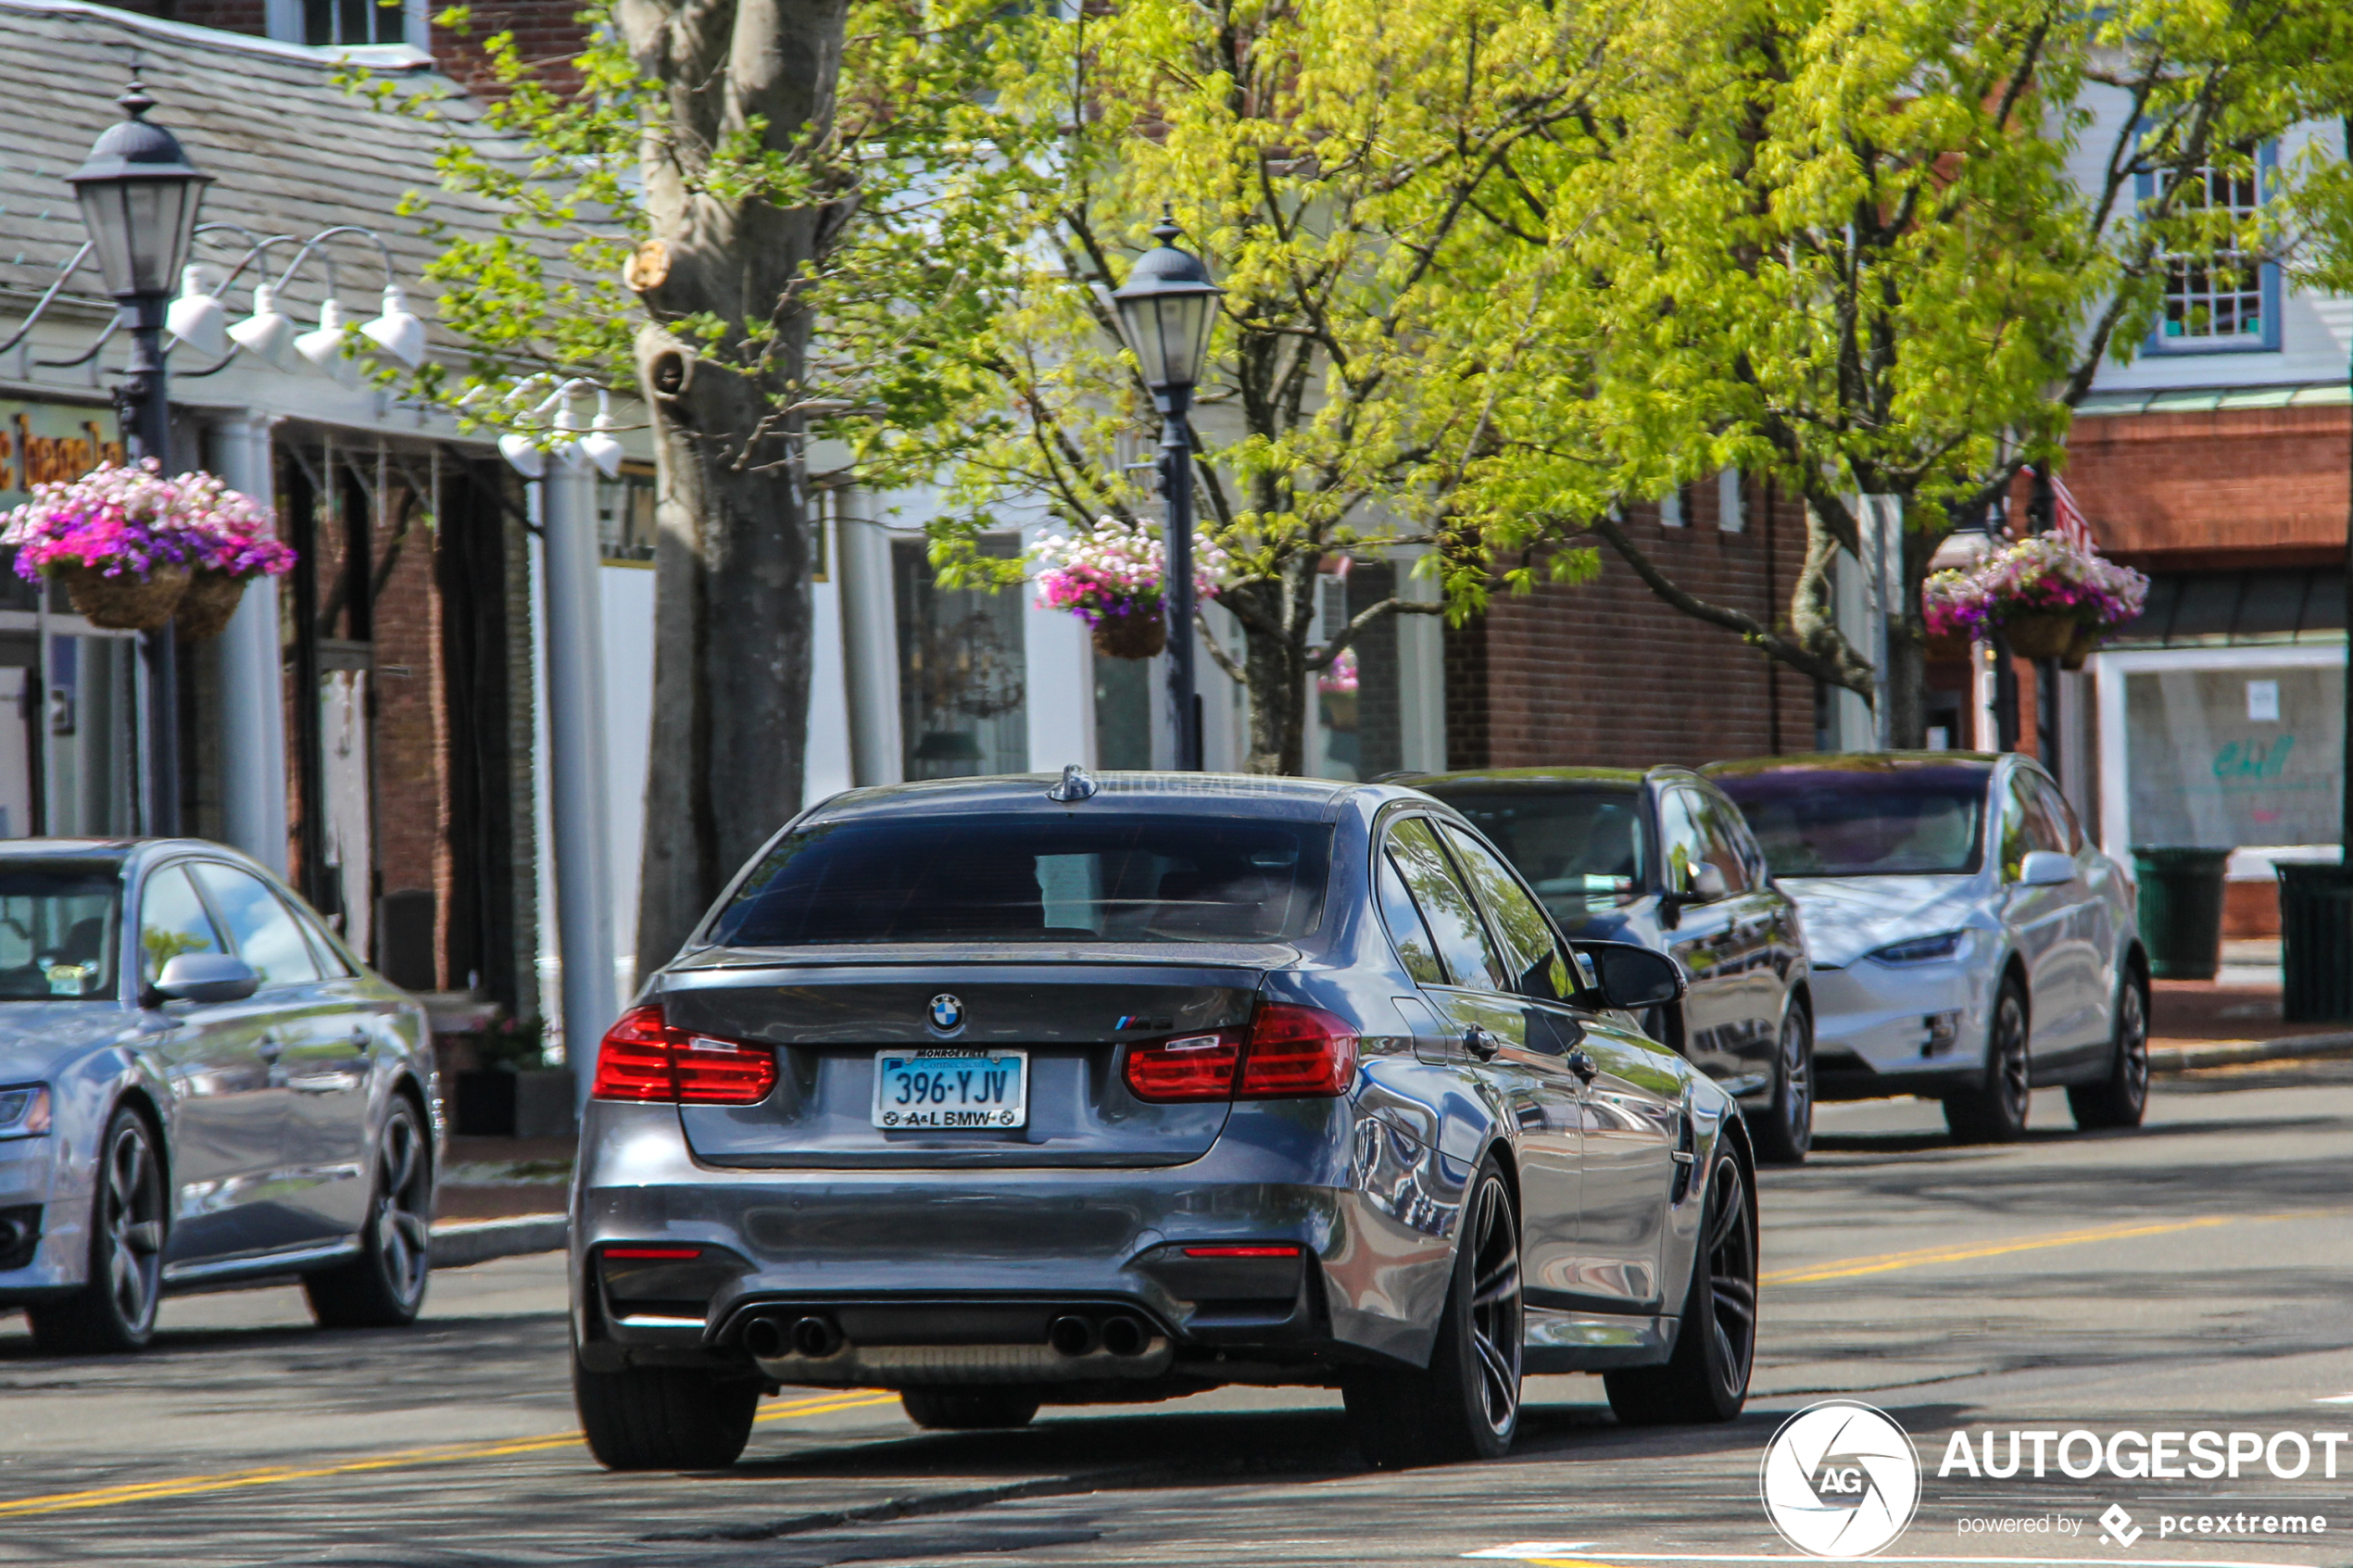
1577	847
1005	878
57	930
1823	822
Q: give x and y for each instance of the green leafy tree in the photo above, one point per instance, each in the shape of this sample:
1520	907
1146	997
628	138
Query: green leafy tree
1838	242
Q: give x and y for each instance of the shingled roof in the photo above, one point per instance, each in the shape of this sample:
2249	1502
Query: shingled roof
293	153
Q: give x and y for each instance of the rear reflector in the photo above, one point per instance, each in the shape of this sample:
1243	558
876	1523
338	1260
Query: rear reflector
645	1058
1290	1053
1237	1253
652	1254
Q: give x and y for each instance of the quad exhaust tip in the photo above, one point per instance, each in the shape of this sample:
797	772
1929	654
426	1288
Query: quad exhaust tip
1072	1334
771	1338
1123	1335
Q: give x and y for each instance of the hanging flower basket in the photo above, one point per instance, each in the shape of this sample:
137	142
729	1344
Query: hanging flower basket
2038	634
2043	593
1110	577
208	606
1138	635
1945	650
125	540
124	603
2081	647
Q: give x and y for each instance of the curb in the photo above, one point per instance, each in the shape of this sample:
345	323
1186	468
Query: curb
457	1243
2172	1060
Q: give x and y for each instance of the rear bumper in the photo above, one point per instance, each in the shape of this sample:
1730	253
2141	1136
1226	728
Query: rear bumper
931	1247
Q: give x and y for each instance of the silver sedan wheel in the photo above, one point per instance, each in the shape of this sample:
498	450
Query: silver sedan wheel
130	1214
1496	1311
1732	1267
403	1207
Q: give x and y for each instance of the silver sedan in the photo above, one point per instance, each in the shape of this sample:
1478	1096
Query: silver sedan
199	1085
1969	942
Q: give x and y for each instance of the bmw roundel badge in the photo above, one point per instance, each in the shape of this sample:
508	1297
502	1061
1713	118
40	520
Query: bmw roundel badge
947	1014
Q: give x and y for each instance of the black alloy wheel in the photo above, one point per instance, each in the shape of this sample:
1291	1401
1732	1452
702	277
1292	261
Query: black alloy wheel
1465	1403
2122	1099
968	1410
384	1287
1706	1379
1785	1132
115	1309
1994	1111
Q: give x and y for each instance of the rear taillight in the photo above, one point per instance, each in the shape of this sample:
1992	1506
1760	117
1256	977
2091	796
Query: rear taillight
1288	1052
1194	1067
644	1057
1298	1052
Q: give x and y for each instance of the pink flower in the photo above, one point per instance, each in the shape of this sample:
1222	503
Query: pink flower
1115	571
2042	574
132	520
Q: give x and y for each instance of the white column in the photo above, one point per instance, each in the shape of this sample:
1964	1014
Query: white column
576	806
253	701
1421	669
869	646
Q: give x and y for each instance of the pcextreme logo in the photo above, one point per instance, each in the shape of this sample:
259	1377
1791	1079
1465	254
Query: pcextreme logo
1840	1479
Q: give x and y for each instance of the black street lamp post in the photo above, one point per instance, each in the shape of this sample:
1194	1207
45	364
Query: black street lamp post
1166	309
139	195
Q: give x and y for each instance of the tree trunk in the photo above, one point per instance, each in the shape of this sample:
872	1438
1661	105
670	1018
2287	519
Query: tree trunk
731	630
1275	678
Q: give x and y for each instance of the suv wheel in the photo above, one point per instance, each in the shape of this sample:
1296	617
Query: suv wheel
1706	1380
1785	1132
2121	1099
1465	1403
115	1309
1994	1111
663	1417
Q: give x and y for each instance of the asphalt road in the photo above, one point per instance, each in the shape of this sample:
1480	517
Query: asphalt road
2195	1276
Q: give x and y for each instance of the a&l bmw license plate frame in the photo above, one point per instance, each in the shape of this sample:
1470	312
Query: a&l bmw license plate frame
951	1090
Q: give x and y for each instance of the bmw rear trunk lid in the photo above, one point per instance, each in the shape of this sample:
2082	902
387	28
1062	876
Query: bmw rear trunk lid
851	1031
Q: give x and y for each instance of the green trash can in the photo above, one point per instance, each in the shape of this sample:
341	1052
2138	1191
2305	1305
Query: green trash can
2316	941
2182	911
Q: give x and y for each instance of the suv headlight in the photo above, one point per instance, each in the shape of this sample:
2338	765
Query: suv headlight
24	1111
1920	949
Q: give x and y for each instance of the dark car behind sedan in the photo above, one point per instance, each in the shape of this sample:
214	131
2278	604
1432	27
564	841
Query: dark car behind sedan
1662	858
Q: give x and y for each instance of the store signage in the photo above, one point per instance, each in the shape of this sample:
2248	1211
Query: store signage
50	443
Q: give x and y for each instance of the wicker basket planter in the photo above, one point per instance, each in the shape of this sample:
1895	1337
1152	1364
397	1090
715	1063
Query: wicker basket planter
2036	635
1132	636
2079	647
205	610
124	603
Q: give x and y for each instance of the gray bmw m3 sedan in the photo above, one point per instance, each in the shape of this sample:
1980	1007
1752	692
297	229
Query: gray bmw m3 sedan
1017	1091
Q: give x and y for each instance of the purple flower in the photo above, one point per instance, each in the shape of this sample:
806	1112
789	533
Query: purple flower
132	520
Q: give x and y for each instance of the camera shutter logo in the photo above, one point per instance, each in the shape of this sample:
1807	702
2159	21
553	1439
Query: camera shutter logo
1840	1480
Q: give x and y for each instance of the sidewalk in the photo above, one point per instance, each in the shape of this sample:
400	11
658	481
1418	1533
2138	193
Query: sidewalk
500	1197
2235	1017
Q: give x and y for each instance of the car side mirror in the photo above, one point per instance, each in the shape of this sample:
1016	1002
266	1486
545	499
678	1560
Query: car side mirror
1634	977
206	977
2046	868
1707	882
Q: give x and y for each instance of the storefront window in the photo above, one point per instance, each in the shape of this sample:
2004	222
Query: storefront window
1356	706
963	702
2225	759
626	516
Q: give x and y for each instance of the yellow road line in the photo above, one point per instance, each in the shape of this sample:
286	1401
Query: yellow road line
451	1453
1888	1262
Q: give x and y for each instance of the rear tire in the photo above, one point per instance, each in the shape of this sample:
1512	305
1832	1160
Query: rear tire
968	1410
384	1287
1785	1132
2121	1100
1706	1380
664	1418
115	1309
1465	1403
1995	1110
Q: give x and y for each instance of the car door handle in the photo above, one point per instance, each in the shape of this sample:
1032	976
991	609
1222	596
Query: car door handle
360	1039
1482	1043
1583	1065
271	1048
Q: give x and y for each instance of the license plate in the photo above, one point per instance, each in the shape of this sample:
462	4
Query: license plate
951	1088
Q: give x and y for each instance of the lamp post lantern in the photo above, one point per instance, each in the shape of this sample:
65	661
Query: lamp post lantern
139	195
1166	309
